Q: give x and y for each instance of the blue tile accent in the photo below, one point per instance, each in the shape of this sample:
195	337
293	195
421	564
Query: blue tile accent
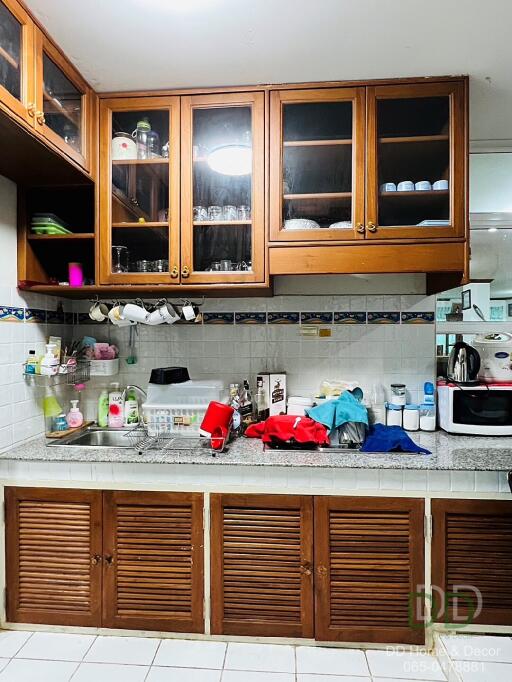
250	318
316	318
35	315
83	318
350	317
69	318
55	316
283	318
383	318
9	314
218	318
418	318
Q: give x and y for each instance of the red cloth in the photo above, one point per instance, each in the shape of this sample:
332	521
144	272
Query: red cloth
289	427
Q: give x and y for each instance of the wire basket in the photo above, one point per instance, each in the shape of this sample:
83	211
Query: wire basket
146	437
78	374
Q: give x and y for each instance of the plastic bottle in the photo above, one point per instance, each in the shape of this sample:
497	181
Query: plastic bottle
131	408
49	363
31	364
115	407
75	417
378	405
103	409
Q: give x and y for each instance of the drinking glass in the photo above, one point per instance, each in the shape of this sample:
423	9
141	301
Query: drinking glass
229	213
120	258
244	213
200	213
214	212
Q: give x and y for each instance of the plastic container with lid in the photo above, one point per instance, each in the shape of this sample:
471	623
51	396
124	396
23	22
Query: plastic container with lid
398	394
411	417
188	392
427	417
298	405
393	414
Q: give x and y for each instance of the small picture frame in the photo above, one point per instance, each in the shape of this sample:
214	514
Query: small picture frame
466	299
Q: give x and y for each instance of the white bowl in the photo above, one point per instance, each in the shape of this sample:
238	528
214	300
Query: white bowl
300	224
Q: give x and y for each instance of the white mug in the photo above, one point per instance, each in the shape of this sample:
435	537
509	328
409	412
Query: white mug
440	184
116	314
188	312
406	186
388	187
98	312
134	312
423	186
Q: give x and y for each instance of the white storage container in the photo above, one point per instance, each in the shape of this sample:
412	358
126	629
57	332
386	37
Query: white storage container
162	419
298	405
104	368
190	392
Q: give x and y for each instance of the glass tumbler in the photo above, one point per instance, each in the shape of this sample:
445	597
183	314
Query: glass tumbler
214	212
120	257
229	212
200	213
244	213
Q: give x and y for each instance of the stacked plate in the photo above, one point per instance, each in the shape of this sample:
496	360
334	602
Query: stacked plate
48	223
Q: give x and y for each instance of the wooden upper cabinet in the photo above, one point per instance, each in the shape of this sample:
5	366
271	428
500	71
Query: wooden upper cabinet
472	561
416	134
369	565
17	60
53	556
63	103
262	565
317	140
223	188
139	190
153	561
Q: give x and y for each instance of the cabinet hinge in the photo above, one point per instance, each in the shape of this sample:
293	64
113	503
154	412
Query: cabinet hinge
428	526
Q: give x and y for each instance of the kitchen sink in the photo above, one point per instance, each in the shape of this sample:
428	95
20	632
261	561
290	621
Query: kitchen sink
96	438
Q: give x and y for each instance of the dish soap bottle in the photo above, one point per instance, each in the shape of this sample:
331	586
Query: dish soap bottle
103	409
75	418
115	407
131	408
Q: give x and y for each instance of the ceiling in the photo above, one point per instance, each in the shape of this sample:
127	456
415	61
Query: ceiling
149	44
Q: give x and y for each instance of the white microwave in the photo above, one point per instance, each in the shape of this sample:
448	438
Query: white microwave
475	410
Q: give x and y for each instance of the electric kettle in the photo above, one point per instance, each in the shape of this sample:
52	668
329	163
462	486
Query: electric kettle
463	364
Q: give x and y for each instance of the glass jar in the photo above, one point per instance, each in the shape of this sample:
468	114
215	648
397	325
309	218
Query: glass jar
411	417
140	135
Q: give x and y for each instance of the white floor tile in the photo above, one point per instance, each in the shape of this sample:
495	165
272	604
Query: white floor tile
11	642
191	654
182	675
475	671
53	646
324	661
332	678
274	658
123	650
404	666
3	662
243	676
94	672
20	670
479	648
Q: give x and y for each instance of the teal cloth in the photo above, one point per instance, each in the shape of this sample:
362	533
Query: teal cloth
334	413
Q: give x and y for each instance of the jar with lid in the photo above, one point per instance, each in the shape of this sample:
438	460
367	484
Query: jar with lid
427	417
411	417
393	415
398	394
140	135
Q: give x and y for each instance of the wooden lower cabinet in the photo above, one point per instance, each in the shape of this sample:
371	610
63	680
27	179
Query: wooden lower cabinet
472	556
261	565
369	563
113	559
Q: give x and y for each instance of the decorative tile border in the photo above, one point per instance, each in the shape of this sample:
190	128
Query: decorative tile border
350	318
283	318
35	315
218	318
55	316
316	318
9	314
250	318
383	318
418	318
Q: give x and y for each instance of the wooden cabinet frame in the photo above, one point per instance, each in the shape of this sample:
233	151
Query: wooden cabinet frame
256	100
107	106
279	98
24	107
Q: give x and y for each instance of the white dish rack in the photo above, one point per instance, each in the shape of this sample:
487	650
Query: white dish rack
142	440
161	419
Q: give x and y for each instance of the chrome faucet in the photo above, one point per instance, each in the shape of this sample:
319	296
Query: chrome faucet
130	386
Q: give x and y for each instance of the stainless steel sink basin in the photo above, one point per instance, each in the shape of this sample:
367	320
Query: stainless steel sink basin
96	438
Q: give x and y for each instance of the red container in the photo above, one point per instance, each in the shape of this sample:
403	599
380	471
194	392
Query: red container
218	417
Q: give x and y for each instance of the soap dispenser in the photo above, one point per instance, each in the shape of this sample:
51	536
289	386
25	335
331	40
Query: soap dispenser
75	418
115	407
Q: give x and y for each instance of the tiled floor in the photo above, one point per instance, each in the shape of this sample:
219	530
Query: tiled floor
52	657
478	658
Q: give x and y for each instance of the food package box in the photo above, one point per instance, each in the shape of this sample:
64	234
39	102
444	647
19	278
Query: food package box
274	386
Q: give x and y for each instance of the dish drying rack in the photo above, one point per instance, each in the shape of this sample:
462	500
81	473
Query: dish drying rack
145	438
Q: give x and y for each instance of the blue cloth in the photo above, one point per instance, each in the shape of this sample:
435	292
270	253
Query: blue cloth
390	439
334	413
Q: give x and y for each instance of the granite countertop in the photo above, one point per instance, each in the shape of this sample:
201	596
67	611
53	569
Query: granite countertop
456	453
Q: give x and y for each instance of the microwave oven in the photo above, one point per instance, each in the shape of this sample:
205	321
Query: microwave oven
475	410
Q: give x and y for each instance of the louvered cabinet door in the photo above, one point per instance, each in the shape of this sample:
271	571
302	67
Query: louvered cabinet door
53	556
472	561
153	561
369	562
261	565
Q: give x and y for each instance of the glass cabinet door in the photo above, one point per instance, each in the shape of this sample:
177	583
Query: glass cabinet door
139	181
62	102
317	157
16	59
223	188
415	162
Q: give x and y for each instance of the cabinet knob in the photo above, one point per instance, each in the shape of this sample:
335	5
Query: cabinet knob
31	110
371	227
95	560
322	571
360	228
306	569
40	118
185	271
175	272
109	559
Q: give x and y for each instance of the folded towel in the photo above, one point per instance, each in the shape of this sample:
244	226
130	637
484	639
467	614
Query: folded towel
390	439
334	413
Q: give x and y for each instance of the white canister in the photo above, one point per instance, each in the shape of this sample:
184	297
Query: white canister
411	417
398	394
123	147
298	405
393	415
